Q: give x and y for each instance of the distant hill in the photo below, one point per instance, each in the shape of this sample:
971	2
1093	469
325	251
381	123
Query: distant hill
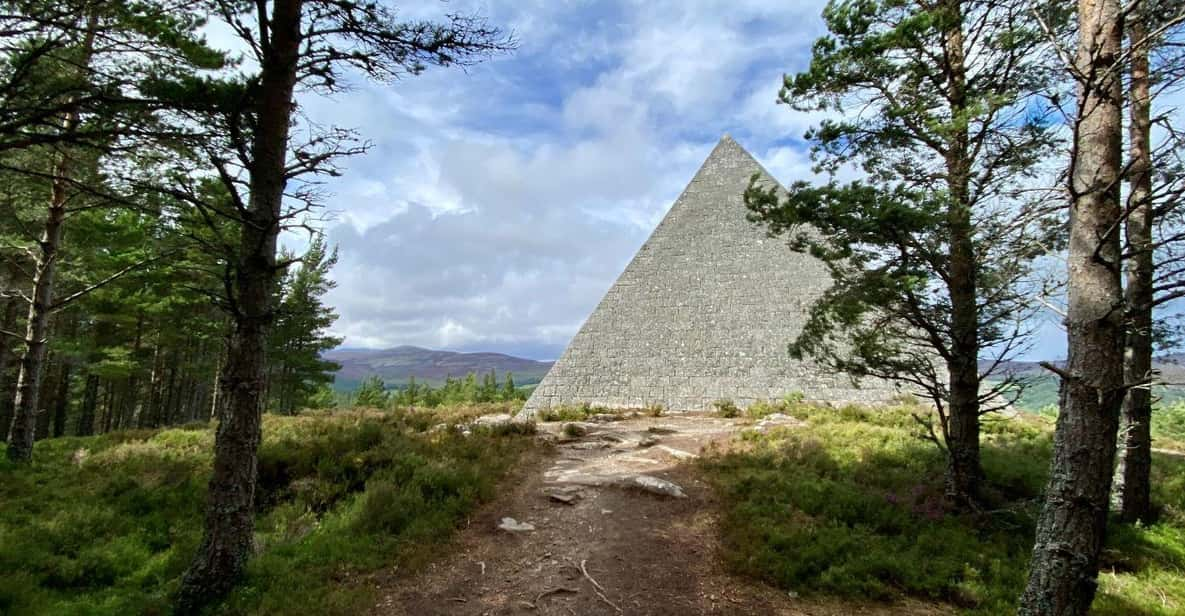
396	366
1042	390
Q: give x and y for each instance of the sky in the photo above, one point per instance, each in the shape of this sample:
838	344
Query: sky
499	203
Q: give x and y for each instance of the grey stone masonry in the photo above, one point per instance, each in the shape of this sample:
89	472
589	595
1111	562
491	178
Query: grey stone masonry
704	312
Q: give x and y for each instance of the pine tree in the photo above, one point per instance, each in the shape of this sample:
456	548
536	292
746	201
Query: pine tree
305	43
928	251
73	98
299	338
1070	533
489	388
509	391
1132	485
371	393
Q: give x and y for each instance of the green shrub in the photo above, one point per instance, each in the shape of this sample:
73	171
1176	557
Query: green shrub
338	492
575	412
521	428
371	393
851	506
726	408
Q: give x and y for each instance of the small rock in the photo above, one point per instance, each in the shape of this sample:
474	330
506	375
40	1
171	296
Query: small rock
654	485
589	445
512	525
661	430
563	499
648	441
778	419
678	453
493	420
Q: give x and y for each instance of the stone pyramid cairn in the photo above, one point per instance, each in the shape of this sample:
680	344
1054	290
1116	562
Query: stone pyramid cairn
704	312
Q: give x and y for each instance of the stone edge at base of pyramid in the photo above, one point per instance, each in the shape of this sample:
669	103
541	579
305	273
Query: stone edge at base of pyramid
882	395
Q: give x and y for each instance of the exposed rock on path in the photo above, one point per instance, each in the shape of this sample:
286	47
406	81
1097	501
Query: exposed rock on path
619	528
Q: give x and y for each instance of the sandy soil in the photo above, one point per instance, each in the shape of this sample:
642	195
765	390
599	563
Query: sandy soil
616	549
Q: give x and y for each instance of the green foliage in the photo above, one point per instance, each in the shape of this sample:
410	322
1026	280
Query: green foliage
1167	414
323	398
726	408
575	412
454	392
371	393
851	506
1168	421
106	525
298	338
929	249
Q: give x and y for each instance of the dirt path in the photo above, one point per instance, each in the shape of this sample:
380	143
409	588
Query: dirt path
615	548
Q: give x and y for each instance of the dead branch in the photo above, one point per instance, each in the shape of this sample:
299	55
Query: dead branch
600	589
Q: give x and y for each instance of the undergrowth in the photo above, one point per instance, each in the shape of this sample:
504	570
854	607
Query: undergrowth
851	506
106	524
575	412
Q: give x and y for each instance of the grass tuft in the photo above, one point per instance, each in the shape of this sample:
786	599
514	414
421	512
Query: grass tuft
106	525
851	506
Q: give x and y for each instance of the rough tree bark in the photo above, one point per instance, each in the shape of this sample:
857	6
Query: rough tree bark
1071	528
32	362
963	469
229	526
1132	489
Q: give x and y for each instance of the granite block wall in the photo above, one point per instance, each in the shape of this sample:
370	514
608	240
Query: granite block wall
703	312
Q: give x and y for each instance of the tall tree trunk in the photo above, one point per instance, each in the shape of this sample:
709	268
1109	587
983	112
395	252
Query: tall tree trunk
963	470
133	402
46	396
150	416
170	393
1071	527
22	432
62	400
229	526
90	398
32	362
218	400
6	381
1132	488
130	402
108	405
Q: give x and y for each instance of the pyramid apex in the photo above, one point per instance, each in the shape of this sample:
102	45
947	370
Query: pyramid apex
700	313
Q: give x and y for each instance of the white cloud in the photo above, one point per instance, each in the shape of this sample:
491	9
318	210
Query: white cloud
499	204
